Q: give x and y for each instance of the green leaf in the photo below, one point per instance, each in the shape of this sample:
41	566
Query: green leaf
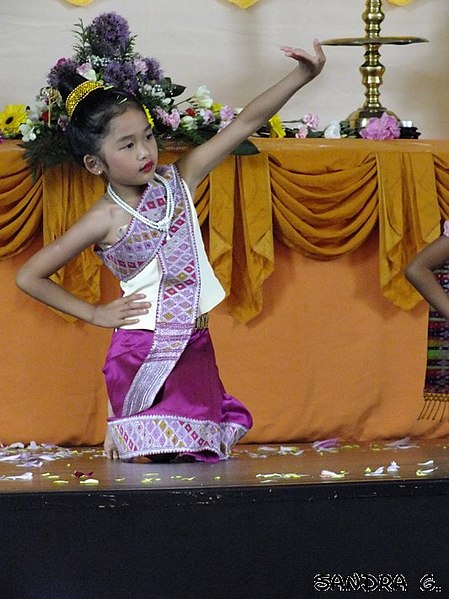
177	90
170	88
311	133
246	148
48	149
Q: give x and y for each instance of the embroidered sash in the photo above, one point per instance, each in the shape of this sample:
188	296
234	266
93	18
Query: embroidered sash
179	290
436	385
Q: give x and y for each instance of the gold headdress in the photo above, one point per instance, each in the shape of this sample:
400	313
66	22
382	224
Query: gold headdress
79	93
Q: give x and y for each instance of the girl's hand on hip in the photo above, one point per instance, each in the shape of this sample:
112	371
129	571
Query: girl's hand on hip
122	311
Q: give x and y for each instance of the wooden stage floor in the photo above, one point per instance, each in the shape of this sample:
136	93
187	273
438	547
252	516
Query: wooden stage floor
278	521
48	469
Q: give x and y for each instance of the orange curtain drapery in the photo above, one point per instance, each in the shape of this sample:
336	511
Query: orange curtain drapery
321	198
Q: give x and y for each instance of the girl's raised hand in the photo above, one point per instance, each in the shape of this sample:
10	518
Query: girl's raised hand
310	64
122	311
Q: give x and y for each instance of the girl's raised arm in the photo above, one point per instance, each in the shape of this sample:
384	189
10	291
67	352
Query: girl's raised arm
197	163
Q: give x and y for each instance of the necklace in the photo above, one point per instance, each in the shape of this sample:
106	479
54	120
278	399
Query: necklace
160	225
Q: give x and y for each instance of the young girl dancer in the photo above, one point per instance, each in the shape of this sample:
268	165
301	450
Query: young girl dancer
166	398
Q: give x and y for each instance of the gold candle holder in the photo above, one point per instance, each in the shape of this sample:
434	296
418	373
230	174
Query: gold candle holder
372	69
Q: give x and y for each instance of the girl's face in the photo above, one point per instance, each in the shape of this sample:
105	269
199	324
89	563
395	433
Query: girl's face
129	151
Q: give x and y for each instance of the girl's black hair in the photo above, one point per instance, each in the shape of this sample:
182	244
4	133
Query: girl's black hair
89	123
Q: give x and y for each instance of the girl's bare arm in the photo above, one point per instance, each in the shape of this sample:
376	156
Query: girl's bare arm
420	274
197	163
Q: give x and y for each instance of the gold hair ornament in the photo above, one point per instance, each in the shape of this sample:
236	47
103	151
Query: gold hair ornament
80	92
149	117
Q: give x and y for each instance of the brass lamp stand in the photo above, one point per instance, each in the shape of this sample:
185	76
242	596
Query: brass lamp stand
372	69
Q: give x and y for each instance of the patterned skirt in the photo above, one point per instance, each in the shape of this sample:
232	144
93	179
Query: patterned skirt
192	414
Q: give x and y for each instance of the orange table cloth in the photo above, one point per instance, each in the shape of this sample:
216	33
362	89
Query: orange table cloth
295	325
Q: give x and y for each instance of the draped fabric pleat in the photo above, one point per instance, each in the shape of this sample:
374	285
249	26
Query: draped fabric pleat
409	218
327	211
322	198
20	202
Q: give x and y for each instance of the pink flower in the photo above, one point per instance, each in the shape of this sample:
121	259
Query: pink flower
302	131
171	119
311	120
174	119
63	122
385	127
161	114
87	71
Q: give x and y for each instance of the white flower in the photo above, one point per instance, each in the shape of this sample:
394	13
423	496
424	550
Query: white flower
333	130
202	98
37	110
188	122
27	131
155	91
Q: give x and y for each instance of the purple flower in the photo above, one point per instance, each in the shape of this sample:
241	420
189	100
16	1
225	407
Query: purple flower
154	71
109	35
207	116
63	68
121	75
227	113
226	116
140	66
385	127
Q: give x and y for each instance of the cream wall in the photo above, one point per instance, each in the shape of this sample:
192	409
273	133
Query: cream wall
235	52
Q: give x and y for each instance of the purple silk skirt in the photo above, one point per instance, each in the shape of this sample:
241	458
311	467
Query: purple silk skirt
192	415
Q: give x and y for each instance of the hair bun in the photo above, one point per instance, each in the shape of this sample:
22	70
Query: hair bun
68	82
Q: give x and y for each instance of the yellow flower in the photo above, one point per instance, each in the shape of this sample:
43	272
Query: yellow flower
216	108
11	118
399	2
275	126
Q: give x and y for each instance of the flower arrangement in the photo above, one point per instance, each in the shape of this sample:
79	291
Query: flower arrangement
376	128
105	52
306	127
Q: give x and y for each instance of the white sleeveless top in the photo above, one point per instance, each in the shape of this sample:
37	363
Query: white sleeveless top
148	280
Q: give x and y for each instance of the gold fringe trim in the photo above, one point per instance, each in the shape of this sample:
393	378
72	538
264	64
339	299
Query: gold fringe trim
436	407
